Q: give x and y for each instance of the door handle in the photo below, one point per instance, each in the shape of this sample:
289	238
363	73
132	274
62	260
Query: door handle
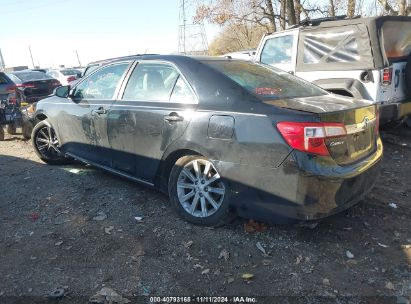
100	111
173	117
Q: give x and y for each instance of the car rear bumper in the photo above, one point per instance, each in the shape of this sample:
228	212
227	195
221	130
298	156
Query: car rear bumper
301	188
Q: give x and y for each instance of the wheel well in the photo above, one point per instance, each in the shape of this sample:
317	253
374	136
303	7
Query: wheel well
340	92
166	166
40	117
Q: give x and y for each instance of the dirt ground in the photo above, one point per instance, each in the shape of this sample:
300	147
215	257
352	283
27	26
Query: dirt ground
54	234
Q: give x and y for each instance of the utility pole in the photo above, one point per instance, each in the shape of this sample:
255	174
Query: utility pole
2	63
78	58
192	38
184	25
31	55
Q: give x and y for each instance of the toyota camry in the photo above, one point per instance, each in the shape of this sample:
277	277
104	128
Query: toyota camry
221	137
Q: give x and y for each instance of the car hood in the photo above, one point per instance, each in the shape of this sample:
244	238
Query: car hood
320	104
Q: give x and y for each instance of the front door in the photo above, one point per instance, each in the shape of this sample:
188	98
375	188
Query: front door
85	120
280	52
152	112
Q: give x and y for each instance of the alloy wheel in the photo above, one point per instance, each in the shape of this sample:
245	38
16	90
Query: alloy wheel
47	143
200	189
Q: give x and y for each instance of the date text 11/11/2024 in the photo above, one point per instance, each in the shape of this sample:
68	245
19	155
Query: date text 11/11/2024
203	299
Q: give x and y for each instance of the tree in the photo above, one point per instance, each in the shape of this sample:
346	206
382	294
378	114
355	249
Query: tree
236	37
267	13
401	8
350	8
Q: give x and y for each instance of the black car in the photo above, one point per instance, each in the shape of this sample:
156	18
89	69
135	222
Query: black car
220	136
31	86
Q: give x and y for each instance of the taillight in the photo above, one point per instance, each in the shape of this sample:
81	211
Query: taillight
25	85
310	136
71	78
387	76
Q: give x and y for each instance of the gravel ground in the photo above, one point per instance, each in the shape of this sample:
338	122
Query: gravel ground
74	227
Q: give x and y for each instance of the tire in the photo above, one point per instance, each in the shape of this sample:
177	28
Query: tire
1	133
27	129
201	206
47	150
392	125
11	129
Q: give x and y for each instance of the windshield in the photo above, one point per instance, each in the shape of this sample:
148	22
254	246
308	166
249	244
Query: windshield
28	76
90	69
265	81
70	72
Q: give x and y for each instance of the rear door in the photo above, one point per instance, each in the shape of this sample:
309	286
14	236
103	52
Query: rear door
153	111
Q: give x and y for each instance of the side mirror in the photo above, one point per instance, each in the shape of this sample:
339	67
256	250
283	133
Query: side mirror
78	75
62	91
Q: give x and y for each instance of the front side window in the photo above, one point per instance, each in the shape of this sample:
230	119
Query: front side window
102	84
278	50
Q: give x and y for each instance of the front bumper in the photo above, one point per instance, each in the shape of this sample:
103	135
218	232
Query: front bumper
303	187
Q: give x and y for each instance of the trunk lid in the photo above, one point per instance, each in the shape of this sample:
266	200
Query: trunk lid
359	117
39	88
361	125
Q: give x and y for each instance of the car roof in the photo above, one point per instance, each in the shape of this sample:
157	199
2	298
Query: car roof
170	58
341	20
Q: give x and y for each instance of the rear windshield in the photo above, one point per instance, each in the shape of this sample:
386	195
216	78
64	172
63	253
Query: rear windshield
265	81
70	72
28	76
3	79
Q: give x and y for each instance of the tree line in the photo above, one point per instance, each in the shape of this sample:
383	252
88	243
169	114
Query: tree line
244	22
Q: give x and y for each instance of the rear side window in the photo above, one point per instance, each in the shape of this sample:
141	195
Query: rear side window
265	81
335	48
182	93
157	81
277	50
102	84
396	39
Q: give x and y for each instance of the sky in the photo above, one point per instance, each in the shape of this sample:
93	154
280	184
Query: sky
97	29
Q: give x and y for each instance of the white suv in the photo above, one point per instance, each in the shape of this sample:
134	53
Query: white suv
365	58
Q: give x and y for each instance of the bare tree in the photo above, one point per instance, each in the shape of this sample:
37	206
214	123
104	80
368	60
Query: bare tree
291	12
332	8
351	8
236	37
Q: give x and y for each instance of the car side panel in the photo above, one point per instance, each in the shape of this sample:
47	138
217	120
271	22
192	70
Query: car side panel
138	134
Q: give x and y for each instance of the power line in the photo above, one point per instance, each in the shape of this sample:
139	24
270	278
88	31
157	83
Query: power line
192	38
